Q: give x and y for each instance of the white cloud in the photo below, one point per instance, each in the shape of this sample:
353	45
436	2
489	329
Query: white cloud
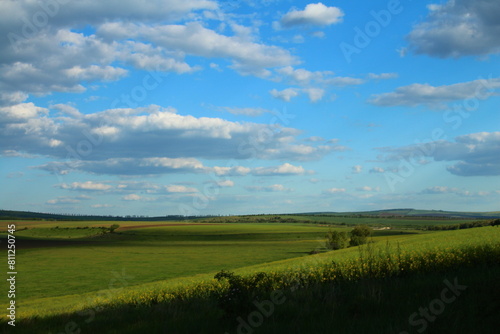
436	190
246	111
343	81
302	76
475	154
376	170
21	112
102	206
286	94
64	13
87	185
334	191
231	171
314	139
132	197
368	188
67	200
318	34
225	183
357	169
271	188
128	33
180	189
458	28
306	78
12	98
140	139
315	94
314	14
284	169
298	39
74	59
67	110
417	94
248	57
382	76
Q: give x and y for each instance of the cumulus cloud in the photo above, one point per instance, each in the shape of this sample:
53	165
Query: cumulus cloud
130	189
225	183
343	81
474	154
245	111
271	188
302	152
12	98
301	76
284	169
314	139
357	169
314	14
376	170
315	94
231	171
368	188
439	190
334	191
132	197
248	57
134	166
150	139
129	166
67	200
102	206
67	110
458	28
310	80
68	13
382	76
88	185
418	94
77	59
286	94
180	189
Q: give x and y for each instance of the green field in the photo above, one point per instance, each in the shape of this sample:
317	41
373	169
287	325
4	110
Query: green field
66	267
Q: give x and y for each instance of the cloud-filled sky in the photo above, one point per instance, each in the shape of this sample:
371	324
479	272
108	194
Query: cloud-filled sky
196	107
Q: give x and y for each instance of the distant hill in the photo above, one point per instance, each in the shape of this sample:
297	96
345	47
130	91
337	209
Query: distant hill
27	215
414	213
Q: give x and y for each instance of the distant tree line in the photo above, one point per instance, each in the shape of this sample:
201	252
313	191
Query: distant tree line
21	215
461	226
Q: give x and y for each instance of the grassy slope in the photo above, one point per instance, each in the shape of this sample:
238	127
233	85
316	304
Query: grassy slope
397	222
152	254
372	306
47	282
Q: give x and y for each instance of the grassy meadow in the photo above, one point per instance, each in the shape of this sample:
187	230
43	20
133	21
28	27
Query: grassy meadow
154	277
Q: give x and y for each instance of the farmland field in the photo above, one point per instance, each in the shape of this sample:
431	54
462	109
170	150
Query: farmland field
66	267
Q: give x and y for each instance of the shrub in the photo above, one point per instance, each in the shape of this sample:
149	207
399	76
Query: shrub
242	291
336	240
359	235
113	227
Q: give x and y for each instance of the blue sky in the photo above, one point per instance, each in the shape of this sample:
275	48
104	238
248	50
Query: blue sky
239	107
